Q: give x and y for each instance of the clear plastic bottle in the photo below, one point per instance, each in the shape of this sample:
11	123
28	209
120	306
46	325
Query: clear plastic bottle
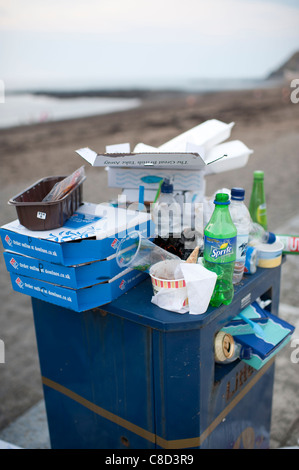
257	235
241	218
257	204
240	352
219	253
167	213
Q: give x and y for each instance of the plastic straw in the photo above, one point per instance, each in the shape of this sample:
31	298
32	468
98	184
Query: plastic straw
256	328
141	198
158	191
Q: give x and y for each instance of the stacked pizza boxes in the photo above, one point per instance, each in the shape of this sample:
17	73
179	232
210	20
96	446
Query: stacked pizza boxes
75	265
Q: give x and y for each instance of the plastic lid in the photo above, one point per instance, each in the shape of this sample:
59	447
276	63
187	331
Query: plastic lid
272	237
246	352
222	199
166	187
238	194
258	175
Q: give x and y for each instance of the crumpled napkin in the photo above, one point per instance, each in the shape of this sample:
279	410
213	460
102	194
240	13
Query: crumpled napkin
200	283
173	301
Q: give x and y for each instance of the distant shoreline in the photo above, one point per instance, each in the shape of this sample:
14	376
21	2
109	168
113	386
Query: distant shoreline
112	93
148	92
56	105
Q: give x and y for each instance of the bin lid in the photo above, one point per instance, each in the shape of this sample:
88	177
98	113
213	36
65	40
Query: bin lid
136	305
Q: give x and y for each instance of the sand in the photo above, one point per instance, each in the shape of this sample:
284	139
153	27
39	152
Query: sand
265	120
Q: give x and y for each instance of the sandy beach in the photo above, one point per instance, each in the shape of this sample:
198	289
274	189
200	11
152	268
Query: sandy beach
265	120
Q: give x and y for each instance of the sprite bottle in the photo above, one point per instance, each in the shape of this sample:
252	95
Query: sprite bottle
257	204
219	254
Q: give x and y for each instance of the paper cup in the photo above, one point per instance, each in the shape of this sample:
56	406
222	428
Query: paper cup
157	274
269	255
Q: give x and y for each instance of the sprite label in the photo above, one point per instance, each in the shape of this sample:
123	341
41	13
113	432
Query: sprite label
261	214
220	250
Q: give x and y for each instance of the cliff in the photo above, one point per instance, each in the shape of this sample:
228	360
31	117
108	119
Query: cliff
287	70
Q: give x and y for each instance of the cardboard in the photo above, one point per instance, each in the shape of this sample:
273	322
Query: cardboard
237	326
82	275
78	300
131	195
132	178
92	233
179	160
200	148
276	334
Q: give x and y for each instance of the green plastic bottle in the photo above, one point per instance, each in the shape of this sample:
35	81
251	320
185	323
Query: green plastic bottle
219	254
257	204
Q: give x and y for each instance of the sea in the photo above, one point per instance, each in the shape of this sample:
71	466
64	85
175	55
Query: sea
25	107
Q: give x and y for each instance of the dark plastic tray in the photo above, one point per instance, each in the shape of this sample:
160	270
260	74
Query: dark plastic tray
37	215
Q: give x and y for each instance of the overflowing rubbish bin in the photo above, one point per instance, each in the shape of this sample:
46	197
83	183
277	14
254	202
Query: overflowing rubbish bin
131	375
133	352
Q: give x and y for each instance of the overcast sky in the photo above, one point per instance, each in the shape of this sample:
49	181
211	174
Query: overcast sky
95	42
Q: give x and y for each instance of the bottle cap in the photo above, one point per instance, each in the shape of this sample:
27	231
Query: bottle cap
222	199
246	352
271	237
166	187
258	175
237	194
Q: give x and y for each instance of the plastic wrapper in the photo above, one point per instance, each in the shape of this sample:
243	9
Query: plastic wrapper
62	187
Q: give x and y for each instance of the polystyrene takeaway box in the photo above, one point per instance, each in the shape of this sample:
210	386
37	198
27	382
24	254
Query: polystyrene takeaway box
236	156
92	233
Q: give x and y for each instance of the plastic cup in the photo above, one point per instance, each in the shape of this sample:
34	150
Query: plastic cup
137	252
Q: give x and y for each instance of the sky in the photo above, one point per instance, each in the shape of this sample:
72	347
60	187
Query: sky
70	43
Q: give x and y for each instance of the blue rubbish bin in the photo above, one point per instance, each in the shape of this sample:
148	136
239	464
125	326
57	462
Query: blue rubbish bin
131	375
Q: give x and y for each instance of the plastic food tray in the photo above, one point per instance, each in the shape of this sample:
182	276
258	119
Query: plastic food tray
37	215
